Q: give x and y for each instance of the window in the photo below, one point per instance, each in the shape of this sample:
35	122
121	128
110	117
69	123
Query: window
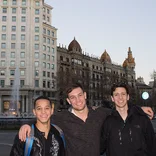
44	47
36	29
36	73
23	2
53	50
53	42
3	28
13	10
48	49
44	73
48	19
22	37
48	65
13	36
44	65
13	18
48	40
4	18
53	34
12	72
37	3
4	2
48	74
12	63
36	63
23	19
22	72
3	45
48	84
44	56
36	37
2	63
12	54
53	58
22	63
44	31
13	45
3	37
2	83
23	10
13	2
37	11
52	66
3	54
48	57
2	72
22	54
4	10
36	19
43	17
36	46
22	28
13	28
48	11
36	55
36	83
11	82
48	32
22	45
44	39
22	83
44	84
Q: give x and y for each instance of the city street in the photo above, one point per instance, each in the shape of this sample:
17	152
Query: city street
6	141
7	137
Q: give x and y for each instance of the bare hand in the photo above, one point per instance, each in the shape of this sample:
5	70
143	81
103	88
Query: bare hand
24	132
148	111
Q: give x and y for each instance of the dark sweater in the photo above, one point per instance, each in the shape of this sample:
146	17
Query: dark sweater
132	137
82	138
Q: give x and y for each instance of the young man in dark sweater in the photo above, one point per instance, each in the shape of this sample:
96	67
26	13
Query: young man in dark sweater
127	130
81	124
46	140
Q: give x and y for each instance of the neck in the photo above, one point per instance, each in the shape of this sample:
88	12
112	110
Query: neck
83	114
44	127
123	112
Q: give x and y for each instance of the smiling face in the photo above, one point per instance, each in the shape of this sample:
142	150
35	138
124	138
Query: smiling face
43	111
77	98
120	97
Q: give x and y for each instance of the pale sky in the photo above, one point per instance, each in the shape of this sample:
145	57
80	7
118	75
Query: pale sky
113	25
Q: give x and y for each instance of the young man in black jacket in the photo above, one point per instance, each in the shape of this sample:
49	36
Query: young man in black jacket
46	140
81	124
127	131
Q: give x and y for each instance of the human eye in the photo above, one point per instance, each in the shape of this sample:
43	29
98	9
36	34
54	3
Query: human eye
47	108
72	97
38	108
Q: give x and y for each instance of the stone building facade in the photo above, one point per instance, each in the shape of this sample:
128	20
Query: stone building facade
28	43
96	74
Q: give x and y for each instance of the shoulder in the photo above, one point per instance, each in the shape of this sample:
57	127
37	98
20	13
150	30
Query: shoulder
102	112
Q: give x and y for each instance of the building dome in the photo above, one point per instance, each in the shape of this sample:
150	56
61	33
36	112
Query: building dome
105	57
125	63
74	45
129	61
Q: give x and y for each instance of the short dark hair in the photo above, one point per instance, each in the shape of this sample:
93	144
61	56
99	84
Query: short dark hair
72	86
121	84
42	98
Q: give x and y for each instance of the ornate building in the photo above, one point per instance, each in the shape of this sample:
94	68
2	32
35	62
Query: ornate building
96	74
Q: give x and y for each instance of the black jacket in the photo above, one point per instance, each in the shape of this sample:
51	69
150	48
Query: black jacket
132	137
82	138
52	146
